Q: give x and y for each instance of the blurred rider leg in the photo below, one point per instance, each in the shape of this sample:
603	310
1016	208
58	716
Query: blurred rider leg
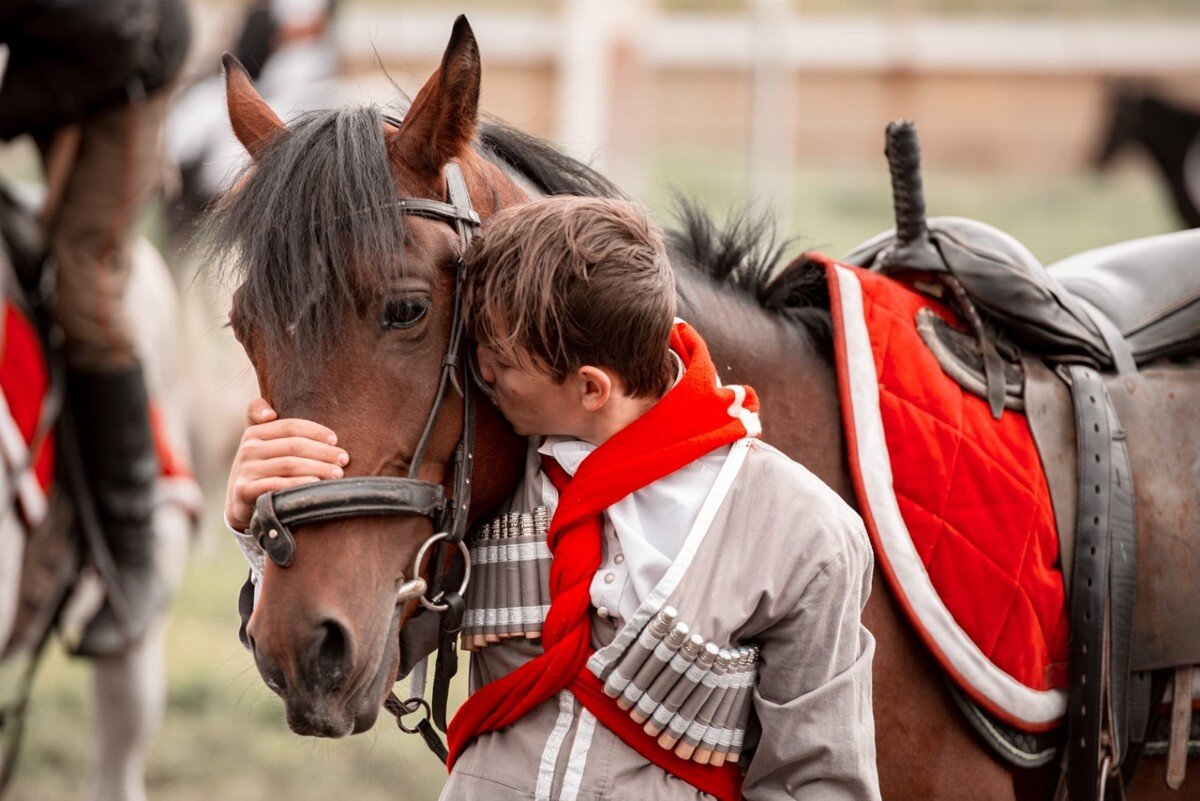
90	81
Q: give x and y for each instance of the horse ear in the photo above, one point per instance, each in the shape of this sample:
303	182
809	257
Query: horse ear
254	122
441	120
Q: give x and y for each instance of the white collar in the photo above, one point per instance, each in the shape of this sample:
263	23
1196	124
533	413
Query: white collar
679	368
567	451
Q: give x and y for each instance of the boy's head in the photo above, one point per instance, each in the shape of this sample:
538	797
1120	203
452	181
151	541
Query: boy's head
572	301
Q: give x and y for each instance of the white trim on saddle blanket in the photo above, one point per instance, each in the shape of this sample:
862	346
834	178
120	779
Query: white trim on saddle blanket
15	459
997	691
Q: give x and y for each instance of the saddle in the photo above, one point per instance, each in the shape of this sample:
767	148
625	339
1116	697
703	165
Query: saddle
1100	352
1139	298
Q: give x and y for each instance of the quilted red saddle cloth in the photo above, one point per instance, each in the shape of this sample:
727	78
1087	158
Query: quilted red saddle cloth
27	449
26	454
956	504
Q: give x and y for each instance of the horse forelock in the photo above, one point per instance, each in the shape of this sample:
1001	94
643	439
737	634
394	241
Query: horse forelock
310	226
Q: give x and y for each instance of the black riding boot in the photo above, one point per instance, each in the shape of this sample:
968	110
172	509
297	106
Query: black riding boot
113	420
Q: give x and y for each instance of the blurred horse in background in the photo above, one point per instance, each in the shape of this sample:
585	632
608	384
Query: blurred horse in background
1168	132
48	582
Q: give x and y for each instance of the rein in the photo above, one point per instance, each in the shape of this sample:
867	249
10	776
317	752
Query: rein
337	499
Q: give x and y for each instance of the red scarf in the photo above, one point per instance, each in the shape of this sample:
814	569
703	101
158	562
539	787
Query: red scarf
694	418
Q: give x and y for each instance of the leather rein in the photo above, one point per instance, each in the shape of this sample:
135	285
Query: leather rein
275	513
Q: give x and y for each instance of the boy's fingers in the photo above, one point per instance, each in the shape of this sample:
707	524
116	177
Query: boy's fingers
262	485
260	449
291	467
291	427
259	411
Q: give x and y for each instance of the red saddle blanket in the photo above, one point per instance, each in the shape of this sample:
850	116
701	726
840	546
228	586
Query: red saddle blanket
956	504
26	454
27	450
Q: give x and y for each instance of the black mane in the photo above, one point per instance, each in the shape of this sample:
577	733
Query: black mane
545	166
320	200
745	255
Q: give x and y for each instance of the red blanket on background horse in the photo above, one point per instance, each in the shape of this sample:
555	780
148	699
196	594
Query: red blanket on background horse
27	453
956	504
24	384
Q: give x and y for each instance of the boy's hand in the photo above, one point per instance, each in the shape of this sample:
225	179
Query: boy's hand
275	454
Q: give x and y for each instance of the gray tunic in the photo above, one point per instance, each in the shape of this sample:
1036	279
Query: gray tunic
776	559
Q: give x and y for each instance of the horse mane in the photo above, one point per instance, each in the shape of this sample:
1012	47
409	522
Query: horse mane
550	170
745	255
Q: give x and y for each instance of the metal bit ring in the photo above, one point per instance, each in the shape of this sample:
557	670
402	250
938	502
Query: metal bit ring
432	603
412	705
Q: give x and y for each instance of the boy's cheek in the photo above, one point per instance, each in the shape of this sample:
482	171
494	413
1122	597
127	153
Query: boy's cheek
504	403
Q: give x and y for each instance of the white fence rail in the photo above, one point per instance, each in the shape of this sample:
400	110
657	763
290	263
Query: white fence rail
1010	44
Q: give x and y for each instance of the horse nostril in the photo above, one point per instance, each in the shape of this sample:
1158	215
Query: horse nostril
331	657
270	671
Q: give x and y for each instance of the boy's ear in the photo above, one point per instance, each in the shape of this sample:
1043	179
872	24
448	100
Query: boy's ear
595	387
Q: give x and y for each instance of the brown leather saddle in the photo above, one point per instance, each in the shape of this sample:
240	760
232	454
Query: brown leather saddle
1102	353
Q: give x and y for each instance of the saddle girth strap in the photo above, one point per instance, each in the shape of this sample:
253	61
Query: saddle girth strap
1180	726
1101	603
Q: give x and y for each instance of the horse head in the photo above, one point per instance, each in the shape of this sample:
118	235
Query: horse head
345	306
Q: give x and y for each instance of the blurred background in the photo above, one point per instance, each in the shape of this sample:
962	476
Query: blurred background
1069	123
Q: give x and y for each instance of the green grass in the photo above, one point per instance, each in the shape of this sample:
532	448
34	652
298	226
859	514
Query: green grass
224	735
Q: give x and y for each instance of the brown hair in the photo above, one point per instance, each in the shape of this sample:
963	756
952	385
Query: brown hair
576	281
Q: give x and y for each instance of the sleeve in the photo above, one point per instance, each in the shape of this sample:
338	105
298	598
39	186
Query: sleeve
813	698
63	57
253	552
248	595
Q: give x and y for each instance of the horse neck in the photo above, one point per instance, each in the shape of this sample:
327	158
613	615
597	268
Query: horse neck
796	384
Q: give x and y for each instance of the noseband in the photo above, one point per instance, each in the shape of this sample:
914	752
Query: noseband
277	512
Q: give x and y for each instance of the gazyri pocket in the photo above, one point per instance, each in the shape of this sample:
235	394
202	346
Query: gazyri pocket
509	592
692	694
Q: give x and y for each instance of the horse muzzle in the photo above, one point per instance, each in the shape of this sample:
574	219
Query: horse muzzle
329	686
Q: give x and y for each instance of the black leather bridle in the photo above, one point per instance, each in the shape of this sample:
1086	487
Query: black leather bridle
275	513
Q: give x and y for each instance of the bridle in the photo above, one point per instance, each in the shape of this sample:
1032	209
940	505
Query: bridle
275	513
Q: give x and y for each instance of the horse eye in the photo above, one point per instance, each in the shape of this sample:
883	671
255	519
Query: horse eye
403	312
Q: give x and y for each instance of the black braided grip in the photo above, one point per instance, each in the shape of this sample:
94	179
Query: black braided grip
908	194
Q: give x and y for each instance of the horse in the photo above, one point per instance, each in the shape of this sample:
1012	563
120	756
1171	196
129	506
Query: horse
1169	133
47	582
345	305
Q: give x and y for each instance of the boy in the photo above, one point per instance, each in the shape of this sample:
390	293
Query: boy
705	592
